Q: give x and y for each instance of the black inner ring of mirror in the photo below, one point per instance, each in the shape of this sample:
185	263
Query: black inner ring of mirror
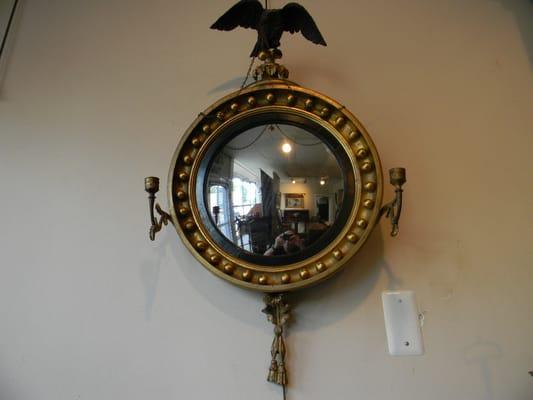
268	118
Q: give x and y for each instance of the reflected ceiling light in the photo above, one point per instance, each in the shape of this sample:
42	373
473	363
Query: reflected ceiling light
286	148
322	181
293	180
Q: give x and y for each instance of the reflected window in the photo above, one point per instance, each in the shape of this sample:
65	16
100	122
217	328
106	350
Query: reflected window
220	210
245	197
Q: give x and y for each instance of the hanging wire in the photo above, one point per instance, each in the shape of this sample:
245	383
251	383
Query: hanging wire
10	20
252	142
248	73
294	141
243	85
263	132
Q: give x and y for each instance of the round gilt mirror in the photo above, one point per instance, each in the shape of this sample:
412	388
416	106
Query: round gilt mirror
275	187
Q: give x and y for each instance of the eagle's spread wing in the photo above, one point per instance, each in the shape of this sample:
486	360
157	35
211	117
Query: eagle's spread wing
245	13
297	19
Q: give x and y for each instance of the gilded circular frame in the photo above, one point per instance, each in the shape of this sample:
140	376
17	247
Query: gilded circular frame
275	96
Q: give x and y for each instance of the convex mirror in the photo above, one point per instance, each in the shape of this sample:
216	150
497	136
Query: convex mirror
276	190
275	186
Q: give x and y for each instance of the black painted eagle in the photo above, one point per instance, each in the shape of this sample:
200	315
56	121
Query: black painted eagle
269	23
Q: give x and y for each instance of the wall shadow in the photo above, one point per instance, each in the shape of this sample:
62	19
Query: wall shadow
523	15
149	276
308	71
338	296
239	304
230	85
482	353
343	293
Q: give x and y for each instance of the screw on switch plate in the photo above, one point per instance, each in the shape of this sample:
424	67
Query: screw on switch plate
402	323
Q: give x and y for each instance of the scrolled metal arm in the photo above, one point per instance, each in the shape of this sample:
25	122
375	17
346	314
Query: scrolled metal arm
393	209
151	185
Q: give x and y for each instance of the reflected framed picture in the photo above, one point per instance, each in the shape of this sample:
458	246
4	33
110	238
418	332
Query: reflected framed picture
294	200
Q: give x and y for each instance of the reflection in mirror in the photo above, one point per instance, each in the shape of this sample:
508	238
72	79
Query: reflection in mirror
274	189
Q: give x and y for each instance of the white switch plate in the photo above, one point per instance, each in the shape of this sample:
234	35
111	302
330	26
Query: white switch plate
402	323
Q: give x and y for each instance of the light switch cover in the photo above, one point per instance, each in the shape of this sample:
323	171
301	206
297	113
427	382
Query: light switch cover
402	323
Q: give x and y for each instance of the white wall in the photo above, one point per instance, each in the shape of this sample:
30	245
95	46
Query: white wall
95	96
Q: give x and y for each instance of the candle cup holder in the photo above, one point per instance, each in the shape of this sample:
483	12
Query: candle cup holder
151	186
393	209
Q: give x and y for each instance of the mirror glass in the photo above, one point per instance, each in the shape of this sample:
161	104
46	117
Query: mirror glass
274	190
